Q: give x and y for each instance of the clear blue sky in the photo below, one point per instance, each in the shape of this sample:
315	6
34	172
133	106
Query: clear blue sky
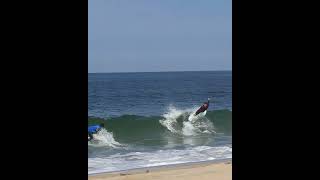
159	35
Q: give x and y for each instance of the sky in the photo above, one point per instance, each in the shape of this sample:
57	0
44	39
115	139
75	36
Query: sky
159	35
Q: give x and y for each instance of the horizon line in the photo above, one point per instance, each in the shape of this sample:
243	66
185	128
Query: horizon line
156	71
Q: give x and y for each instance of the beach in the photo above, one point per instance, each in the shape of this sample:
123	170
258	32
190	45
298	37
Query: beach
209	170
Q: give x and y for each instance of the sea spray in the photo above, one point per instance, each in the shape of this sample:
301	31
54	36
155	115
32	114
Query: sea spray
170	119
105	138
179	122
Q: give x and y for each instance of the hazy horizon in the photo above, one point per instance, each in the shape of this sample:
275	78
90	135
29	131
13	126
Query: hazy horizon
158	71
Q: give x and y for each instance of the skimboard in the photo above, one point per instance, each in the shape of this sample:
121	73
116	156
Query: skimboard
193	117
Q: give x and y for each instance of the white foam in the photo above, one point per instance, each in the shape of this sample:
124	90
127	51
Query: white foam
188	129
132	160
170	118
104	138
192	125
163	163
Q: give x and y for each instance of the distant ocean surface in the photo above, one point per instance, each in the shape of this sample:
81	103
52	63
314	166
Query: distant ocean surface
147	118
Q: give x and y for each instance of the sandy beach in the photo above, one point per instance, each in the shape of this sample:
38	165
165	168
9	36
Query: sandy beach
191	171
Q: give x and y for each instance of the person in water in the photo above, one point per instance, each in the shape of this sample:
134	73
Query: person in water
203	108
94	130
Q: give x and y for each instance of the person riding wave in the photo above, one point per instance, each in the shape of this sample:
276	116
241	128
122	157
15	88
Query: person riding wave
203	108
94	130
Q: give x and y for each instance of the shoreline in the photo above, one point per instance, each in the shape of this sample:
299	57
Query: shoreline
207	169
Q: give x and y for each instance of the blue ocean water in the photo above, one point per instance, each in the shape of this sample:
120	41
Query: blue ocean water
148	94
149	119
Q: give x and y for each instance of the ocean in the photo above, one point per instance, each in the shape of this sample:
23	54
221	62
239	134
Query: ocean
148	119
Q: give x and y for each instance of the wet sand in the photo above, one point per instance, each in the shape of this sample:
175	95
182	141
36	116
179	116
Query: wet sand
209	170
